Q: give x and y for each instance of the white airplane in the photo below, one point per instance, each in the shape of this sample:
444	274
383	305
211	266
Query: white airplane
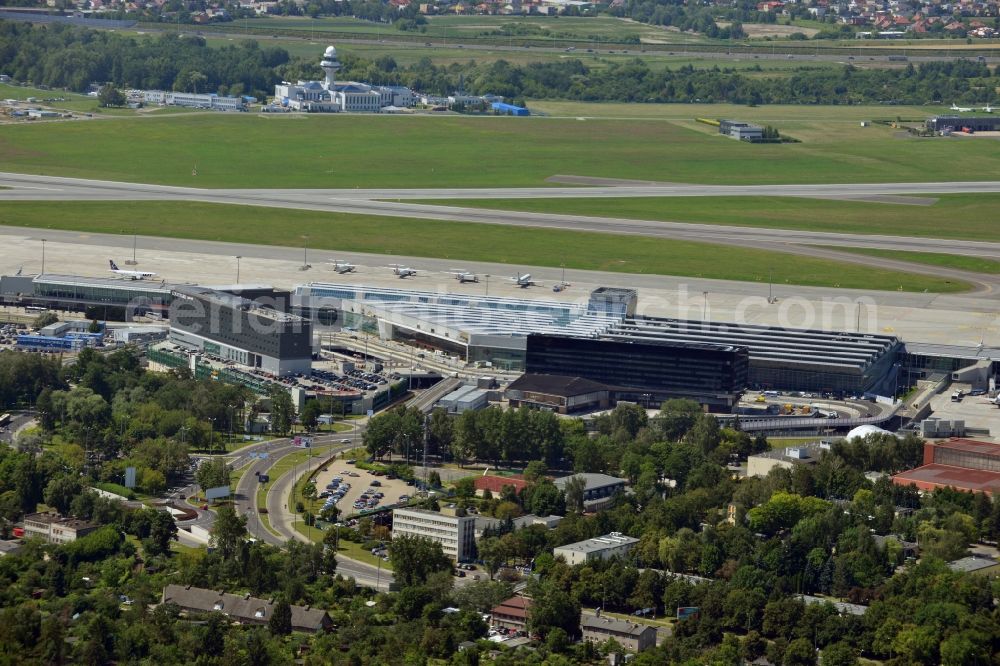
523	281
132	275
402	271
464	275
342	266
960	109
989	109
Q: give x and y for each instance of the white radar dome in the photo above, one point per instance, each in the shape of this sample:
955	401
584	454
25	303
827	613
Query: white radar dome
330	52
865	430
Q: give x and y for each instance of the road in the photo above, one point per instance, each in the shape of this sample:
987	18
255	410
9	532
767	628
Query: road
280	518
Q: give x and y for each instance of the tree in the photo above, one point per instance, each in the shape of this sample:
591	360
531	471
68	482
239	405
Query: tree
61	491
212	473
839	654
44	319
162	530
282	410
280	622
228	532
109	96
799	653
574	491
415	558
552	608
310	414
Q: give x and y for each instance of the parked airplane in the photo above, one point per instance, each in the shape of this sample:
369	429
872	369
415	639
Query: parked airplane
464	275
402	271
523	281
989	109
132	275
960	109
342	266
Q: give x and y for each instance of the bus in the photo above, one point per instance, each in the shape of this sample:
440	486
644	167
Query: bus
4	420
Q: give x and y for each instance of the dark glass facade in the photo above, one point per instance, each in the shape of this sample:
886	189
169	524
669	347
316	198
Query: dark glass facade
645	372
240	323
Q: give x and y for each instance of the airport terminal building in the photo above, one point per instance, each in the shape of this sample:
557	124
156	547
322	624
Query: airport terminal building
237	329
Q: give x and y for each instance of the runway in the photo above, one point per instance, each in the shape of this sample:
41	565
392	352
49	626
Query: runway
25	187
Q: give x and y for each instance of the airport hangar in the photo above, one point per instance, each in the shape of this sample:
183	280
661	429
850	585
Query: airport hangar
496	330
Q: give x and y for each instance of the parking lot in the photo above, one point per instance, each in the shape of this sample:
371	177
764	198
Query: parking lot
976	410
361	486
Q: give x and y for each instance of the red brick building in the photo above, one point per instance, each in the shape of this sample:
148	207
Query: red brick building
964	464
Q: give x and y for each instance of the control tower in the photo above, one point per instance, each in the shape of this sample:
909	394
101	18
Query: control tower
330	65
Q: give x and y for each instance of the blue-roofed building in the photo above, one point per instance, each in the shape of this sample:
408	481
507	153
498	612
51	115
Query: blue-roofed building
505	109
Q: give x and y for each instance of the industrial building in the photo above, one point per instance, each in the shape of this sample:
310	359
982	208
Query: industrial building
964	464
956	123
237	329
599	548
645	371
456	534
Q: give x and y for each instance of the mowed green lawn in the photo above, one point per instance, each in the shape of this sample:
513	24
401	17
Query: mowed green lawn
959	261
455	240
958	216
249	150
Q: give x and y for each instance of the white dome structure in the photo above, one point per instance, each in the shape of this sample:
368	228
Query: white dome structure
866	430
330	53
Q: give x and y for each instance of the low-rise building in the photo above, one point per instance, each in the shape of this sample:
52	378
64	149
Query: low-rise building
456	534
981	566
512	614
599	548
738	129
633	637
242	607
964	464
484	523
598	491
56	529
495	484
760	464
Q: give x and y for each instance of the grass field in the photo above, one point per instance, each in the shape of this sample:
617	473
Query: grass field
408	54
457	240
961	262
973	216
243	150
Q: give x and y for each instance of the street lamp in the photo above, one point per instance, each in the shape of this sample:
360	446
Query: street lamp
487	284
305	254
238	257
132	261
43	255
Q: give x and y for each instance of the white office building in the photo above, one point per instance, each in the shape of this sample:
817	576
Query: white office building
455	534
193	100
600	548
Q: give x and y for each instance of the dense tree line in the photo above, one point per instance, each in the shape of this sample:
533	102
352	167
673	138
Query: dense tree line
63	56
